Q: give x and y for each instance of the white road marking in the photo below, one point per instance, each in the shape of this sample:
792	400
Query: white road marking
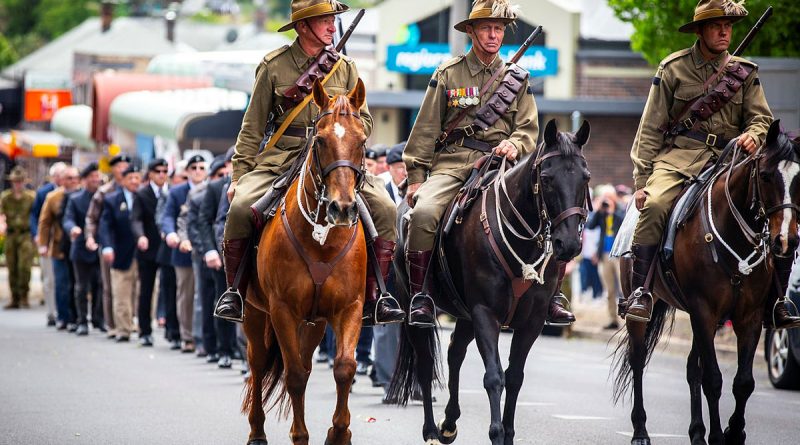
339	130
571	417
652	435
788	171
535	404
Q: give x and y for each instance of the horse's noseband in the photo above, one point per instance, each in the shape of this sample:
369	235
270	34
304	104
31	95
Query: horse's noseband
323	172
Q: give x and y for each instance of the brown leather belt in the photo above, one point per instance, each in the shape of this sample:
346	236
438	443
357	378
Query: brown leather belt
298	132
459	137
710	139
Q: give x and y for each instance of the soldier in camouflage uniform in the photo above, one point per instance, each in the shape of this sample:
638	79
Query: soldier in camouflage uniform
254	170
15	207
661	166
434	177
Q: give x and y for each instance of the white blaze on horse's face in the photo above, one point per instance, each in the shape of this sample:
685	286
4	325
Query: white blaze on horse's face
339	130
788	170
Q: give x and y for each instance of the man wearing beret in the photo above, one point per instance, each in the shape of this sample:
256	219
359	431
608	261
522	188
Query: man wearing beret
119	248
118	165
15	206
84	262
149	242
254	170
181	248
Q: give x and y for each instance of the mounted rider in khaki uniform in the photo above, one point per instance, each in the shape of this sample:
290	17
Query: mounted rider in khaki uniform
255	167
669	148
437	171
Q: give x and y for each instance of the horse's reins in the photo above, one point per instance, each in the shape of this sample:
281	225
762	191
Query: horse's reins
520	285
320	270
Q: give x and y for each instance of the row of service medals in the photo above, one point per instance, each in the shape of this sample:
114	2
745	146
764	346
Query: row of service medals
463	97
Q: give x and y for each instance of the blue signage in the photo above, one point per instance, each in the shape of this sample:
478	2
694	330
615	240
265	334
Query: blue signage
424	58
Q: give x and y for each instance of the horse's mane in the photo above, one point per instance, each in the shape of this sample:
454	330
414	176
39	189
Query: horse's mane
784	149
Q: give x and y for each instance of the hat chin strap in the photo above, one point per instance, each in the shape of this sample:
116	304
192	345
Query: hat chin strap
311	30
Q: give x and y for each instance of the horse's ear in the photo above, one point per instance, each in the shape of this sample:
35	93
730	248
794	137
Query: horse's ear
582	136
358	95
551	133
774	131
320	96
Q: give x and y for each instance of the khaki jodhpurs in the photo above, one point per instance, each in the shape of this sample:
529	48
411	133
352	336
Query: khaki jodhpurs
253	185
19	258
432	199
662	187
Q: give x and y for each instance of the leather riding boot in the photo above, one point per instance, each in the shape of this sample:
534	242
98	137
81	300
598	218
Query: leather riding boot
776	315
422	310
384	308
558	315
231	304
640	302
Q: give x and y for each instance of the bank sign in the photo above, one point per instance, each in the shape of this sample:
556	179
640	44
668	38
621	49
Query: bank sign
423	58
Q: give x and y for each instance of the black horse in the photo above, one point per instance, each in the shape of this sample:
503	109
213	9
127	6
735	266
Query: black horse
551	182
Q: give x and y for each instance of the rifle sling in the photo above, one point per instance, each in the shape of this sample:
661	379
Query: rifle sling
297	109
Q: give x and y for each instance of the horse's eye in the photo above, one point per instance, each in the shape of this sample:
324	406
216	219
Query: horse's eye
547	181
766	177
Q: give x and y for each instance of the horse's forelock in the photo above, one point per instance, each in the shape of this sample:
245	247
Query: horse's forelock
784	149
567	145
341	105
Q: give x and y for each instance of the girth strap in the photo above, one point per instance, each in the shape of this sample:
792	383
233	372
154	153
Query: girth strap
319	270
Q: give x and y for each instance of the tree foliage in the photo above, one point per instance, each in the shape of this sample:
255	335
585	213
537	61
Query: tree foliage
656	26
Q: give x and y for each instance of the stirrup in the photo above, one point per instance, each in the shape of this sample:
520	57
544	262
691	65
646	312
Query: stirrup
411	308
562	299
783	300
232	292
638	294
386	296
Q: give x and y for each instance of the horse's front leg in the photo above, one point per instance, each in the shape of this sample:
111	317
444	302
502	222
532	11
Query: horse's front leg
259	339
346	326
637	356
748	331
487	331
462	336
296	374
694	376
704	327
515	373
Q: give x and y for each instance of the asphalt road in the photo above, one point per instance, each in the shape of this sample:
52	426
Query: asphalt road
57	388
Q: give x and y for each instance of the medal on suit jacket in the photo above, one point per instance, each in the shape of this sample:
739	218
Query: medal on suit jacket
463	97
123	207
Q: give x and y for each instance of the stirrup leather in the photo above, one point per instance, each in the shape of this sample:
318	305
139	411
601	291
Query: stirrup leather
231	292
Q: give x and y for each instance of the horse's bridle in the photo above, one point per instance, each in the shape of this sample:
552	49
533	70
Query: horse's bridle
322	172
582	211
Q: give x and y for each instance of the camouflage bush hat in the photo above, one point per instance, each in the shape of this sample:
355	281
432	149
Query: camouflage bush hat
501	10
713	10
305	9
18	174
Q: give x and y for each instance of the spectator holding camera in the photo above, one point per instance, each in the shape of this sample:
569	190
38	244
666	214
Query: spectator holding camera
608	217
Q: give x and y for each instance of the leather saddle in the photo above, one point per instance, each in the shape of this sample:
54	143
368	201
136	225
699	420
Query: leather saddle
483	173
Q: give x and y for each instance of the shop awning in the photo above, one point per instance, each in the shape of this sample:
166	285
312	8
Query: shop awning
39	144
107	86
213	113
228	69
75	123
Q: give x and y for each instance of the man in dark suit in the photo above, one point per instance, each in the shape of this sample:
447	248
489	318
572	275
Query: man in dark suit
149	241
119	248
204	241
397	171
182	260
84	261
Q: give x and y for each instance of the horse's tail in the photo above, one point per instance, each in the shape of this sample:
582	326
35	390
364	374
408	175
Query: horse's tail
663	316
272	387
418	347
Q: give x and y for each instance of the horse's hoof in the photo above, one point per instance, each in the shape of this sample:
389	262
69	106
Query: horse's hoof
732	438
446	437
257	442
433	442
327	442
640	441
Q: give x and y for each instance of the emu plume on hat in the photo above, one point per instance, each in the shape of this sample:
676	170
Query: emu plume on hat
707	10
502	10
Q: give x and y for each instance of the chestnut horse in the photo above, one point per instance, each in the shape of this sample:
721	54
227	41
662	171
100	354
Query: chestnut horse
759	217
548	191
310	274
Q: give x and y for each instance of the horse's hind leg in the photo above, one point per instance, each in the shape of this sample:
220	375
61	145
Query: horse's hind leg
694	376
296	374
346	326
515	373
637	356
487	331
748	331
255	329
462	336
704	328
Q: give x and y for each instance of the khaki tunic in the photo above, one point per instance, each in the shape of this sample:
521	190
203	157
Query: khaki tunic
18	246
443	173
255	172
661	172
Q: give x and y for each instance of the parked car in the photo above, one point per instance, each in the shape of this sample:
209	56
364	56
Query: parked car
782	346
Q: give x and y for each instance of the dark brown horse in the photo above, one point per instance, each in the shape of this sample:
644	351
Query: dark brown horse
310	274
534	214
759	217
